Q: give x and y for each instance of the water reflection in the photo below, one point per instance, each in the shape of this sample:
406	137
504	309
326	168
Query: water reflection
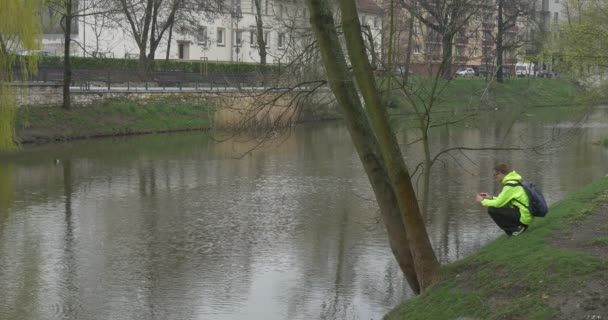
176	227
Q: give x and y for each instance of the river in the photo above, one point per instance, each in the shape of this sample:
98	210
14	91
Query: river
182	226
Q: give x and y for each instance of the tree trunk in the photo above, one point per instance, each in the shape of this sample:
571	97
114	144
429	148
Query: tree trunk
445	69
169	41
362	135
425	261
67	65
391	44
259	27
408	54
499	44
372	47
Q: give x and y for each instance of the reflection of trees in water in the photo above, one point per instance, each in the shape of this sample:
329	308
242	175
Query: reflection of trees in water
7	191
70	294
20	265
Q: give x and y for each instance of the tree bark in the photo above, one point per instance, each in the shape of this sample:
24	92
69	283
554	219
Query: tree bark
67	65
362	135
425	261
499	44
445	69
408	54
259	27
169	42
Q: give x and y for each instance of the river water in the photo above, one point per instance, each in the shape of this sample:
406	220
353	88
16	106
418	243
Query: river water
181	226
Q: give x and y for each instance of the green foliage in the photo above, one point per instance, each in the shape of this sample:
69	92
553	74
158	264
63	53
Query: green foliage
19	30
511	277
159	65
580	44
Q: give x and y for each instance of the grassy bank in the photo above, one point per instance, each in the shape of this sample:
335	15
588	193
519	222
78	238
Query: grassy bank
541	274
44	124
477	93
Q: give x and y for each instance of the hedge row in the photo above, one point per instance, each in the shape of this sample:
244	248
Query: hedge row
158	65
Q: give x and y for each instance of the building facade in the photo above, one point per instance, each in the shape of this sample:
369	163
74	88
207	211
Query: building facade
226	35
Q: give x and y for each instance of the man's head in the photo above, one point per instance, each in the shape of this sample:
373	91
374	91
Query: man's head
501	170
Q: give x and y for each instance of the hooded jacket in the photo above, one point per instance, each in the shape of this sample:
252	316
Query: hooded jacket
508	194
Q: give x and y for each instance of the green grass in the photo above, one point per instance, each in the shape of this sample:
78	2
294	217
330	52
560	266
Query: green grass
111	118
601	240
511	278
477	93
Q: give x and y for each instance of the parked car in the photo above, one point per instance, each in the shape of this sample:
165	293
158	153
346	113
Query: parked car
465	72
544	74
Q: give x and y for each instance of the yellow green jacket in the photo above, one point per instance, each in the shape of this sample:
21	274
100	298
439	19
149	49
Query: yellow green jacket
510	193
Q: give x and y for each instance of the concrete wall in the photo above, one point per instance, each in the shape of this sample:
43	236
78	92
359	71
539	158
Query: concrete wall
36	95
319	106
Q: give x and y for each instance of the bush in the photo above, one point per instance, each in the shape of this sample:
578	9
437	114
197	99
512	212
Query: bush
158	65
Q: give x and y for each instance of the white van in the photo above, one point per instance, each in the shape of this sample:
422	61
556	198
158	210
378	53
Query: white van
524	69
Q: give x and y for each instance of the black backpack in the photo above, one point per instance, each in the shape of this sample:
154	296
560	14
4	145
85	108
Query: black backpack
538	205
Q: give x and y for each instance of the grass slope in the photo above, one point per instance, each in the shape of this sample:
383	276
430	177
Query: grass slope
37	124
514	278
477	93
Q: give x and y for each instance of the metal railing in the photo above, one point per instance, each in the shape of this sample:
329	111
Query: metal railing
95	79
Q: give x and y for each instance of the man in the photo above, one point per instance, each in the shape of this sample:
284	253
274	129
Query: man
510	208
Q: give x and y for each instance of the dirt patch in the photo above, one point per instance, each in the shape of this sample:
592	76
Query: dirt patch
589	301
590	235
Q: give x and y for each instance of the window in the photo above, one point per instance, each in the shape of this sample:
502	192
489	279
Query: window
253	38
183	50
281	40
417	49
376	22
363	20
475	52
237	38
460	51
281	9
417	29
201	36
265	6
266	42
221	34
555	17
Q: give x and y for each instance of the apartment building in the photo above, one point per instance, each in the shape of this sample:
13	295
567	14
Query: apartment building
473	45
227	35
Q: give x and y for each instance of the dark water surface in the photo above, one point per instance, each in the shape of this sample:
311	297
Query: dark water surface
176	227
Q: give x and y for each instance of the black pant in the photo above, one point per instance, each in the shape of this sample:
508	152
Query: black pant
507	218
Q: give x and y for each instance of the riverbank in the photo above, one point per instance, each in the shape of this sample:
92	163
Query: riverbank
479	94
48	124
558	269
126	116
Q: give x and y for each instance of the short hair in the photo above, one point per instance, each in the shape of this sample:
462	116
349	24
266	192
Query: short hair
502	168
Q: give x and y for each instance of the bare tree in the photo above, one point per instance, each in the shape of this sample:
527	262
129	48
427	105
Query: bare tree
149	20
374	140
68	12
446	18
259	27
507	15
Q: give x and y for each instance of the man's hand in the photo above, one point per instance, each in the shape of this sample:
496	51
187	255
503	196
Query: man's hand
482	195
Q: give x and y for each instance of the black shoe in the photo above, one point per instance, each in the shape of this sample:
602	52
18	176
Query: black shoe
520	229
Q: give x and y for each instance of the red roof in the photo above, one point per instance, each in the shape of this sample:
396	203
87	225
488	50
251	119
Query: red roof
368	6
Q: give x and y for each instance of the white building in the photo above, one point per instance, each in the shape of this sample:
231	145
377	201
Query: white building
229	36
